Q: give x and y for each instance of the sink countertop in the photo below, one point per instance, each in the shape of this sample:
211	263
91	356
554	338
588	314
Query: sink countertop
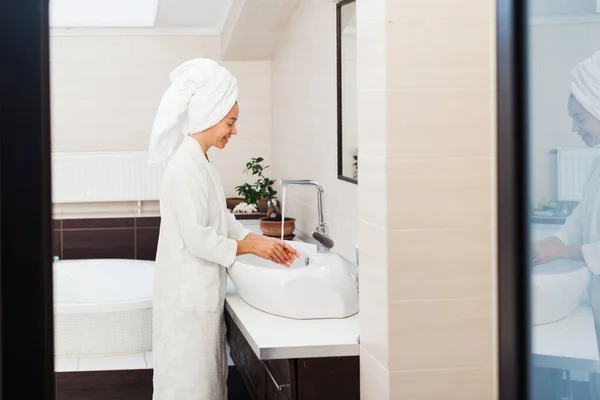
273	337
567	344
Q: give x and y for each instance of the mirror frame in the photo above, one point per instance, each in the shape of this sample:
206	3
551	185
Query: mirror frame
340	159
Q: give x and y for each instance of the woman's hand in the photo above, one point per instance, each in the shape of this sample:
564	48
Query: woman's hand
552	248
547	250
273	250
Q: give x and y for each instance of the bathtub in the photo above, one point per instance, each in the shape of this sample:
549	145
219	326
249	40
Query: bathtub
102	307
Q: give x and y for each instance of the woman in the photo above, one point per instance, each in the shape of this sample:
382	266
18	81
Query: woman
579	237
199	238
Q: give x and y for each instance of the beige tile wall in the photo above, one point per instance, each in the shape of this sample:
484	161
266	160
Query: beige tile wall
304	123
427	144
106	89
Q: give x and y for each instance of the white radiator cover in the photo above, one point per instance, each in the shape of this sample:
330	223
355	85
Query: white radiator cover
573	168
105	177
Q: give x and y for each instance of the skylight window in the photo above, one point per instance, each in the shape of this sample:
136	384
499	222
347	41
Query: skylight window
102	13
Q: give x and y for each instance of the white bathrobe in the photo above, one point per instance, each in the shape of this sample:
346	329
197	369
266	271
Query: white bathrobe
197	242
583	226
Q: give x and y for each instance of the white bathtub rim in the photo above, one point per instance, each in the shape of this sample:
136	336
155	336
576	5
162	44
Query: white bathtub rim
74	307
81	308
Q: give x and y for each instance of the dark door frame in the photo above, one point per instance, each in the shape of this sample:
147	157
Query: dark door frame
26	307
513	227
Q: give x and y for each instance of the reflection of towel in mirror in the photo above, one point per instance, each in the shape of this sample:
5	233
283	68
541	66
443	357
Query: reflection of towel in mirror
585	84
201	94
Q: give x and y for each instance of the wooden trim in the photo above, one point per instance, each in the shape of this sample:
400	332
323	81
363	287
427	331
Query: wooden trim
513	233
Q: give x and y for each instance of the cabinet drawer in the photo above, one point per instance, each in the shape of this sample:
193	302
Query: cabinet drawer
328	378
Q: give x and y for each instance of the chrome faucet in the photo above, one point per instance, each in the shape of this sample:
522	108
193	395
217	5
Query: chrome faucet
321	232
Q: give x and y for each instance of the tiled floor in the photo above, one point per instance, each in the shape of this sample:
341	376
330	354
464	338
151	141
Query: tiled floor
136	361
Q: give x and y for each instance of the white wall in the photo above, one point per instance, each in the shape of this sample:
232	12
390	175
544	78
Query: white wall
304	122
106	89
554	50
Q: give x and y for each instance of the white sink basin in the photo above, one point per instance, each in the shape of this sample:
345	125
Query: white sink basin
322	289
557	289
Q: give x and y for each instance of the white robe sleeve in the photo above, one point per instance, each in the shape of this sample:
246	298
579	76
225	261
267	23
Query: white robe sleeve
190	205
235	230
591	255
570	232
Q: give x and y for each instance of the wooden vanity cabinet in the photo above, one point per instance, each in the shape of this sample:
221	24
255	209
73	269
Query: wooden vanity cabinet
327	378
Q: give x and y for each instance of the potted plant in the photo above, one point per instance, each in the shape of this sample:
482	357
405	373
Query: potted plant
355	164
250	201
262	190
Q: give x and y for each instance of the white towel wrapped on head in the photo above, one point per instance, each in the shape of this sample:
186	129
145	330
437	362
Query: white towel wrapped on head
585	84
201	94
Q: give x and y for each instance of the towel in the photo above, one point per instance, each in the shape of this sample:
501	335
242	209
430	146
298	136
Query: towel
585	84
201	94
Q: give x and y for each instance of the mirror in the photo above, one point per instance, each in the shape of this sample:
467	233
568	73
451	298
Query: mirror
347	147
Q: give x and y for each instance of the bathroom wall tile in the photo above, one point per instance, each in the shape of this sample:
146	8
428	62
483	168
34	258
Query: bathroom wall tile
146	243
442	193
457	263
57	224
256	46
373	282
372	191
370	11
372	123
371	57
440	334
396	9
374	327
98	223
374	250
304	143
374	378
149	60
418	54
105	243
136	361
147	222
434	124
449	384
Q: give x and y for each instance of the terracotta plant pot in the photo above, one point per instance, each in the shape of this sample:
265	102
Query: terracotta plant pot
262	206
272	227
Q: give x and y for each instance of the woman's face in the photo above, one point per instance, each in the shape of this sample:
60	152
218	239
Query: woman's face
222	132
586	125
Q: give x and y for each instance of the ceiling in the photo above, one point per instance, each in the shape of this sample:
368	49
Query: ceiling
209	15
